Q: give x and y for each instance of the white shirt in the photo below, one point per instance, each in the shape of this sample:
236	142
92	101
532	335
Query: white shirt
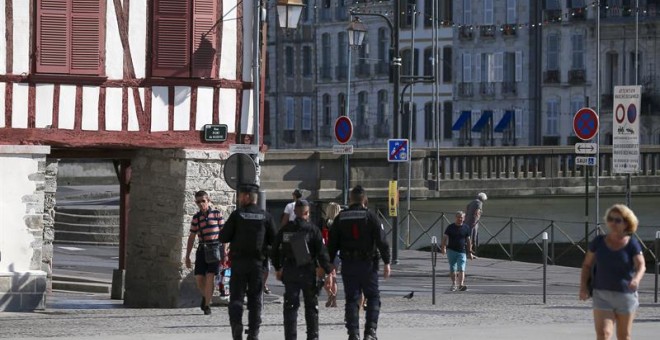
291	210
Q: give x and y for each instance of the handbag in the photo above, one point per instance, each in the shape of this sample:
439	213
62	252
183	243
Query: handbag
212	252
590	280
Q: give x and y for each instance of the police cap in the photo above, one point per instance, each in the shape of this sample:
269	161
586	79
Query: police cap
248	188
302	203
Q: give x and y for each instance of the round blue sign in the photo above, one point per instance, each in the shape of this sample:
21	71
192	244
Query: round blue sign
585	123
343	129
632	113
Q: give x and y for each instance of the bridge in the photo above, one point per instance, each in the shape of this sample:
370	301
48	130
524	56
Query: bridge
458	172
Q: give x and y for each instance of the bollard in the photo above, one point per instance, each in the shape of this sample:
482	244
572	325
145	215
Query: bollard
545	264
657	264
434	260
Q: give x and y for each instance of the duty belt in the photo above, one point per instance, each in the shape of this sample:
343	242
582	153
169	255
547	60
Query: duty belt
357	255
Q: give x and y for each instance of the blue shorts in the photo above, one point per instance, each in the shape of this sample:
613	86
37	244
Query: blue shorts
456	261
617	302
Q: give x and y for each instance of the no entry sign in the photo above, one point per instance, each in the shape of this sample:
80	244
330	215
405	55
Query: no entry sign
343	129
585	123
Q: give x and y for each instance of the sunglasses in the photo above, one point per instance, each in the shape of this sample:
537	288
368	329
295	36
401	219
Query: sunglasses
617	220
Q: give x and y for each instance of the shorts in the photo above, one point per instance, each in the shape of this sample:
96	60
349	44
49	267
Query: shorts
203	268
617	302
456	261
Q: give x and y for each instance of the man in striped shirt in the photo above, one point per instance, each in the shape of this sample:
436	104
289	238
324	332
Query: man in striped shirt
205	225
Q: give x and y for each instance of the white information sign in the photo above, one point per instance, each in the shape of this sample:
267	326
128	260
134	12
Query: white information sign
586	148
344	149
587	161
250	149
625	134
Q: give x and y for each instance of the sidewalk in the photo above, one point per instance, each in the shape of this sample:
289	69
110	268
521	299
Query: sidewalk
504	301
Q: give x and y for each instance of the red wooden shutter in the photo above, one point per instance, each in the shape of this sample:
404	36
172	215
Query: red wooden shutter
204	38
86	37
53	38
171	38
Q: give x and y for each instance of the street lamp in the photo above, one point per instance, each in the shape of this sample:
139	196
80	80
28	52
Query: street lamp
356	32
289	12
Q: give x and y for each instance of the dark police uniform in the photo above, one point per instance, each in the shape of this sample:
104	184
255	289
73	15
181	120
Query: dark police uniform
358	235
300	277
251	232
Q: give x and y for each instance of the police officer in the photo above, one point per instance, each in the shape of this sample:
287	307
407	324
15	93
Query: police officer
251	232
297	252
359	237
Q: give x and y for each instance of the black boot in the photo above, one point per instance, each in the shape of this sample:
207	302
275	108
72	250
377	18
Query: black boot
290	330
370	334
252	335
237	331
354	335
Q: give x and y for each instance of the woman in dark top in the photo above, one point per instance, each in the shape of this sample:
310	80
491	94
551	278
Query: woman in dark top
619	269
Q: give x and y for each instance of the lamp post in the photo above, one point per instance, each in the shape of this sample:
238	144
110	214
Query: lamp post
395	72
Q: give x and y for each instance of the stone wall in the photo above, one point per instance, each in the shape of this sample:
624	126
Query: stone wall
162	203
50	187
23	179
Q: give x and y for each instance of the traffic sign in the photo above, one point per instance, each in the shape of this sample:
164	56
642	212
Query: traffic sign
585	123
626	129
239	169
251	149
586	148
344	149
343	129
587	161
397	150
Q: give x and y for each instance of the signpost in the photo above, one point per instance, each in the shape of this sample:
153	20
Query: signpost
586	148
585	126
625	134
397	150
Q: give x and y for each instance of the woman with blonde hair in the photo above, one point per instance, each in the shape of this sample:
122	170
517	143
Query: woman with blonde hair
619	268
331	212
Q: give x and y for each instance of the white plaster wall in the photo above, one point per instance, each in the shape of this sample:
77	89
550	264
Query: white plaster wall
159	109
2	100
228	48
21	36
90	108
3	44
137	36
227	109
67	112
114	52
19	115
247	113
113	108
133	124
204	107
44	105
181	108
248	14
15	239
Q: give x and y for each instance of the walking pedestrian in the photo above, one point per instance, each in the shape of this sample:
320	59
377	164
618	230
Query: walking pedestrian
619	268
455	243
251	232
472	217
297	252
205	226
332	210
358	235
289	211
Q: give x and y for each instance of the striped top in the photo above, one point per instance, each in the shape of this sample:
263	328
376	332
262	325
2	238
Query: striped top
207	226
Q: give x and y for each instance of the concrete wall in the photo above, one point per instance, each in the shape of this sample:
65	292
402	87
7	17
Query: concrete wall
162	204
25	176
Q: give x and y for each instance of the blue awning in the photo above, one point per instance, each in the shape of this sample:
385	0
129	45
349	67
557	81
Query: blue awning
481	123
504	122
465	115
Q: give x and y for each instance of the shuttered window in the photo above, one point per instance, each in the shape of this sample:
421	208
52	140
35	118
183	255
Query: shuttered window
184	38
70	37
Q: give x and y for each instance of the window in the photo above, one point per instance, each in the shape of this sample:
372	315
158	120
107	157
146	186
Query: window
429	121
428	61
576	104
184	38
341	100
428	12
519	66
307	61
611	72
289	60
552	52
467	12
447	111
342	49
363	108
383	45
467	68
552	118
552	4
307	114
499	67
363	50
290	114
446	11
511	12
447	59
327	110
326	56
509	67
633	61
488	12
575	3
407	13
405	122
577	43
383	107
407	66
70	37
305	15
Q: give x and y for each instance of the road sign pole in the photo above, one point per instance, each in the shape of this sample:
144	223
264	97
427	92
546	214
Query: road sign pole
586	207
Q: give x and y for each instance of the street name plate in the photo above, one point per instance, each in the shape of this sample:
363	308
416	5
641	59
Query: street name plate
344	149
586	148
250	149
215	132
587	161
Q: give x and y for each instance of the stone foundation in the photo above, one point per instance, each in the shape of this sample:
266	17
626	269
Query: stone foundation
161	205
24	261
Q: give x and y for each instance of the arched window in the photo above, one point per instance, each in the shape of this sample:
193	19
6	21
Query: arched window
383	45
327	110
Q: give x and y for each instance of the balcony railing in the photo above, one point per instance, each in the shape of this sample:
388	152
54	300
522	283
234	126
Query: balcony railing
487	31
577	76
487	89
465	32
465	89
363	70
552	15
326	72
509	30
509	88
382	68
341	72
551	77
